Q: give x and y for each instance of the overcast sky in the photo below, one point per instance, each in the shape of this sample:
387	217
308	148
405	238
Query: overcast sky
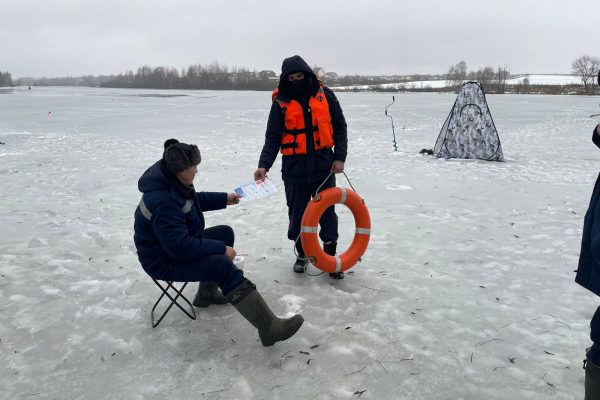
80	37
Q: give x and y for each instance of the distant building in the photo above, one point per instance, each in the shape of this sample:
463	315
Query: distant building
319	72
331	76
266	74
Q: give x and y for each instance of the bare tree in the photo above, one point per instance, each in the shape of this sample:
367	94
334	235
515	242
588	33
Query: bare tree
523	85
586	67
5	79
485	76
526	84
502	75
457	74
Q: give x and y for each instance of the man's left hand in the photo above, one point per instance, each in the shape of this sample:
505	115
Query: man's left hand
233	198
337	167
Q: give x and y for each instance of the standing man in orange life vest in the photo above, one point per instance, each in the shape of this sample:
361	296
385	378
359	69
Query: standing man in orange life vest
306	124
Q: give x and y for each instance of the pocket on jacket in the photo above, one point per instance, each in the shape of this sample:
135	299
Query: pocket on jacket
325	131
324	160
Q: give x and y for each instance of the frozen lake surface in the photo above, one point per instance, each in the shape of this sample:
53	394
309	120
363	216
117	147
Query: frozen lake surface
466	290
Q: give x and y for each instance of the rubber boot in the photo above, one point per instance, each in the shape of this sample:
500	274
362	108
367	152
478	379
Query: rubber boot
330	248
208	293
246	299
592	381
301	262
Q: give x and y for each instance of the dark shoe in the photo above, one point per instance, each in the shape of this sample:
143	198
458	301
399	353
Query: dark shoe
300	266
330	248
246	299
208	293
301	261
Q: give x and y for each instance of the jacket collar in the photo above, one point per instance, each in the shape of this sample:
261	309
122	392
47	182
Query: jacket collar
184	191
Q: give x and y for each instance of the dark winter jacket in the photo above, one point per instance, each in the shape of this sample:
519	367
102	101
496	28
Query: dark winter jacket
315	165
169	222
588	271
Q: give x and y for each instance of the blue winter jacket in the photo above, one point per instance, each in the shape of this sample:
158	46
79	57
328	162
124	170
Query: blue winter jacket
588	271
169	227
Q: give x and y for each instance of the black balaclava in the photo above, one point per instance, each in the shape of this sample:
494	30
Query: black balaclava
301	89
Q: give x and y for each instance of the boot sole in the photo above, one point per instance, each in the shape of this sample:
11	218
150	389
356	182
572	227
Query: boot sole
267	342
204	304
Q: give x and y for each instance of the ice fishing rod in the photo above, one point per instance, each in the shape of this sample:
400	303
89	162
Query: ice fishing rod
391	118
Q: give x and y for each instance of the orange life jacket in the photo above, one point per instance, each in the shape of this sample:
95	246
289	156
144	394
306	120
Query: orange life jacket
293	139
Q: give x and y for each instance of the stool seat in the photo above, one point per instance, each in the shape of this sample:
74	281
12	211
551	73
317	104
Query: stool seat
174	301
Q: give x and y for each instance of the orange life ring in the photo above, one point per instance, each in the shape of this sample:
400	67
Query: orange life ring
308	230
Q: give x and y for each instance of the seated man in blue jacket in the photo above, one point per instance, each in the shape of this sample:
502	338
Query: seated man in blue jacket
173	244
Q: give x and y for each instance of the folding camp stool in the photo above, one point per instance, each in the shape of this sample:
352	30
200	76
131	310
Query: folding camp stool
178	296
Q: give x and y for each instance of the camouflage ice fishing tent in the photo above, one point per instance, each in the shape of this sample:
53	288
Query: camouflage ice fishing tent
469	130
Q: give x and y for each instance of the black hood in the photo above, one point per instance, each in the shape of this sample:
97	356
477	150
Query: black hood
155	178
292	65
158	177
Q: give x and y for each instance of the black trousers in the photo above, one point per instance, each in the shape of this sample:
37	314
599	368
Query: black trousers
216	268
298	195
592	367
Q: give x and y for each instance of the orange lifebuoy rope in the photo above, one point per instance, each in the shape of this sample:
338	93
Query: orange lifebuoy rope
310	220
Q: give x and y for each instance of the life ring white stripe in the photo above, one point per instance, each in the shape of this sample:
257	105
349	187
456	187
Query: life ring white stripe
308	229
363	231
338	264
344	196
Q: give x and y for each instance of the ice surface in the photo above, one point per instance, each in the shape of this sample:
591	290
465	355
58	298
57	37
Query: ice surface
466	290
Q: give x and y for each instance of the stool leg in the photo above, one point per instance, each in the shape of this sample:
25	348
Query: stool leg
191	315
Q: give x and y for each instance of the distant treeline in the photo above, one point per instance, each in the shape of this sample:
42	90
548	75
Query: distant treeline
5	79
87	80
216	76
213	76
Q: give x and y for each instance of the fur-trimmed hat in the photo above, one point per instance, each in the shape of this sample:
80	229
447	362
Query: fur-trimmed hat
179	156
